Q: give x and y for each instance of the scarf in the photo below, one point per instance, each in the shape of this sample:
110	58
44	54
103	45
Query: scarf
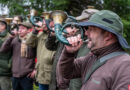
24	47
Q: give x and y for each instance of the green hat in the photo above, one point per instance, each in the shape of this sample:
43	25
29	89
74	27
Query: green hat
109	21
26	24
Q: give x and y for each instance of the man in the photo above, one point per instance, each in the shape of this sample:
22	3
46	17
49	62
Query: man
23	58
57	81
75	84
5	59
44	56
107	65
17	19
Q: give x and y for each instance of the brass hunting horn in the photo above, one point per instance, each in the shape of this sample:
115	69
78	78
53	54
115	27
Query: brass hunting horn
46	15
8	20
59	17
12	26
34	18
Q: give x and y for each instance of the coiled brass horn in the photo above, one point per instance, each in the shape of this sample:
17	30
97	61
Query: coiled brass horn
34	17
12	26
59	17
8	20
33	12
46	15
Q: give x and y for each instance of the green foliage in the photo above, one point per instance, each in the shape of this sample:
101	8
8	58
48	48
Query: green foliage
126	30
73	7
122	7
35	87
60	4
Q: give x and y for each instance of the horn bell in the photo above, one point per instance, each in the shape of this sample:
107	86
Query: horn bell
33	12
8	20
46	15
58	16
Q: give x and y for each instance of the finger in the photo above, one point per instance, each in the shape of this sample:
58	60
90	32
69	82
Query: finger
70	40
79	36
75	41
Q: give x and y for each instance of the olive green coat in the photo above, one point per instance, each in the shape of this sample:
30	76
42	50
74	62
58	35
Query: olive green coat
5	57
44	57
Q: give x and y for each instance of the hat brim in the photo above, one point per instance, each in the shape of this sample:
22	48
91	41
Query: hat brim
121	39
23	25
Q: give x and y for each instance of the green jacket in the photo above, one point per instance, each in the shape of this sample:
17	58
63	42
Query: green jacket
5	57
44	56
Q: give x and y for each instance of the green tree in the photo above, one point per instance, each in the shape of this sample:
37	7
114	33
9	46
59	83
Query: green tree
73	7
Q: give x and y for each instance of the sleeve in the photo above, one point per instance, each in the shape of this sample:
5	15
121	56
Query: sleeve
69	66
7	45
32	39
121	76
62	82
51	43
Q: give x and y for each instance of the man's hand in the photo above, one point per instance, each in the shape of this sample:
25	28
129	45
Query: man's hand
40	24
15	33
32	74
75	42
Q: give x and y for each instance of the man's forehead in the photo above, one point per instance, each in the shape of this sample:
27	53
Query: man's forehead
22	26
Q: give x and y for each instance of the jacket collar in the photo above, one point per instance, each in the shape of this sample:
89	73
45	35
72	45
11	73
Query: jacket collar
106	50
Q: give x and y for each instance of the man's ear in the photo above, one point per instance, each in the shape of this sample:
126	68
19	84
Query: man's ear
108	36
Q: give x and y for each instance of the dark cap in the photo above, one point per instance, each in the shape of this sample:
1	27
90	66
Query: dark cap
26	24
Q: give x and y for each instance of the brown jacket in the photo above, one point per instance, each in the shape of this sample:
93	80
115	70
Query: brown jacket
21	66
113	75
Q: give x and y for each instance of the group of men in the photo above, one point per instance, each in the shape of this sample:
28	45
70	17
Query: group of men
100	63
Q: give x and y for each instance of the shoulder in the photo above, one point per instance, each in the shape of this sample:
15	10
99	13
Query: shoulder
120	59
119	63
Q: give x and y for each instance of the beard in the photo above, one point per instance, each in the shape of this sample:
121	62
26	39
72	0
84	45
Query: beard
90	44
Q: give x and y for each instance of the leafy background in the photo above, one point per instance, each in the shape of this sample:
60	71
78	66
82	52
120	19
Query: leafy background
73	7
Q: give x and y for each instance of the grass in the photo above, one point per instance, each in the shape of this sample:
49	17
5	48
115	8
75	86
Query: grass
35	87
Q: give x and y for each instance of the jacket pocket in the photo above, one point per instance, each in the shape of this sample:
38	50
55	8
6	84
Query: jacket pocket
47	70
